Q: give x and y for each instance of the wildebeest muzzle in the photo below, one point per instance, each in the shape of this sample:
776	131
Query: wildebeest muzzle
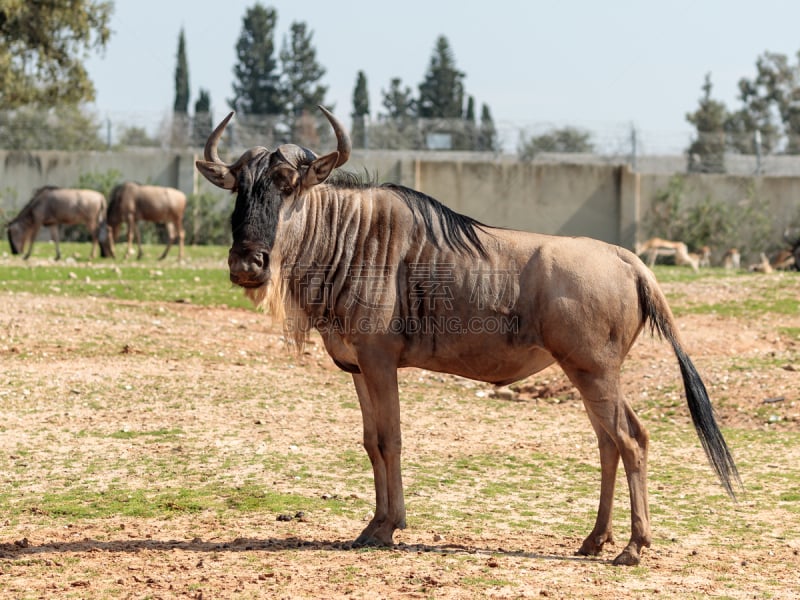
248	268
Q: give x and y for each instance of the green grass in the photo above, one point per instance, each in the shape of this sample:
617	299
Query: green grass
770	295
83	502
201	279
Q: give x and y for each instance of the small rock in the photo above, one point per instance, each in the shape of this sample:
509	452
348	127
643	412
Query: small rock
504	393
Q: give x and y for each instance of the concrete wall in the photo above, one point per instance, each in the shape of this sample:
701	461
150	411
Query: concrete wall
604	201
23	172
561	199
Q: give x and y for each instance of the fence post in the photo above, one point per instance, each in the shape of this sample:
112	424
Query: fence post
757	142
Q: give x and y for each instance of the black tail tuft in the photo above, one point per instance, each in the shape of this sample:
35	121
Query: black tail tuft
696	394
705	424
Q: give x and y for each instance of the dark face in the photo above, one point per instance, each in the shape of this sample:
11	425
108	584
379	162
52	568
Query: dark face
263	180
262	186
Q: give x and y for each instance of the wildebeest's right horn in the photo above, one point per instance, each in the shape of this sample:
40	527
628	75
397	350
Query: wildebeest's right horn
212	168
216	171
210	151
342	139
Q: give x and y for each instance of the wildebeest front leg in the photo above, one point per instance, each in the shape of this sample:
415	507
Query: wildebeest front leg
138	239
54	237
28	239
380	411
129	237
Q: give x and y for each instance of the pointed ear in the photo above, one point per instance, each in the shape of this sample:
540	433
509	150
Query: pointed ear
218	174
319	170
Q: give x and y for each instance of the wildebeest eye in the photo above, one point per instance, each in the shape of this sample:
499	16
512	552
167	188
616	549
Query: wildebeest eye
286	180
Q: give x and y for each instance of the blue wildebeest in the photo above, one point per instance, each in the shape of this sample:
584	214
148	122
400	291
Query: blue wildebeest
52	206
392	278
131	202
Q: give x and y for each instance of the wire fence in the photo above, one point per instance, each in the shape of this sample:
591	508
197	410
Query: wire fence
618	143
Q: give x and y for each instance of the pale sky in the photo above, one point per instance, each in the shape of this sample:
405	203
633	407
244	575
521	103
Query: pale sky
601	65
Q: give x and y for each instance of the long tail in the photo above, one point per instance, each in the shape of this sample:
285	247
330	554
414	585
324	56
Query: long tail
655	310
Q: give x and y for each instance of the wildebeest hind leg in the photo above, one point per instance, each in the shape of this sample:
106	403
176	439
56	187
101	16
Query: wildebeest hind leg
615	423
170	237
380	411
609	461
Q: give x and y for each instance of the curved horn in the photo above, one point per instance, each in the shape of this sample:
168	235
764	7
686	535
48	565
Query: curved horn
343	145
210	151
296	155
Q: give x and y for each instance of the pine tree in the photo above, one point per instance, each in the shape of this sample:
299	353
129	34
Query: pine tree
181	77
441	94
769	106
256	89
398	101
707	151
301	74
395	129
360	111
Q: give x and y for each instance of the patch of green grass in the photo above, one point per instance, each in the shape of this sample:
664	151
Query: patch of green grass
790	332
769	294
158	434
202	278
748	308
673	274
82	503
486	582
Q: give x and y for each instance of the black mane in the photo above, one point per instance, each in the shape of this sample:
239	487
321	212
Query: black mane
459	231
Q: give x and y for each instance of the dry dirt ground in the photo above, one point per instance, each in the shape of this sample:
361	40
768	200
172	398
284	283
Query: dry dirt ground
75	372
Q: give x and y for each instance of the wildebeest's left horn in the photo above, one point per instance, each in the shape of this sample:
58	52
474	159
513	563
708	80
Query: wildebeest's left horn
342	139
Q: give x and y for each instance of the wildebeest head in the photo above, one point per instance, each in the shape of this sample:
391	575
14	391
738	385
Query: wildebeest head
15	237
263	181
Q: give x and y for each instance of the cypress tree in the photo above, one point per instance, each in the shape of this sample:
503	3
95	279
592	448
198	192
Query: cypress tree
181	78
202	124
360	111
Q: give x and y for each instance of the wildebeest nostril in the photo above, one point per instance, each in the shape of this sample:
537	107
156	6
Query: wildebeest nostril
259	259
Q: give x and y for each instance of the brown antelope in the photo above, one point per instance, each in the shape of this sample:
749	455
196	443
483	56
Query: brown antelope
763	266
53	206
391	278
787	259
731	259
703	257
131	202
655	247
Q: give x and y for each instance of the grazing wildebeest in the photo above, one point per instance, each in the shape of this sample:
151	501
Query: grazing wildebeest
52	206
392	278
131	202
